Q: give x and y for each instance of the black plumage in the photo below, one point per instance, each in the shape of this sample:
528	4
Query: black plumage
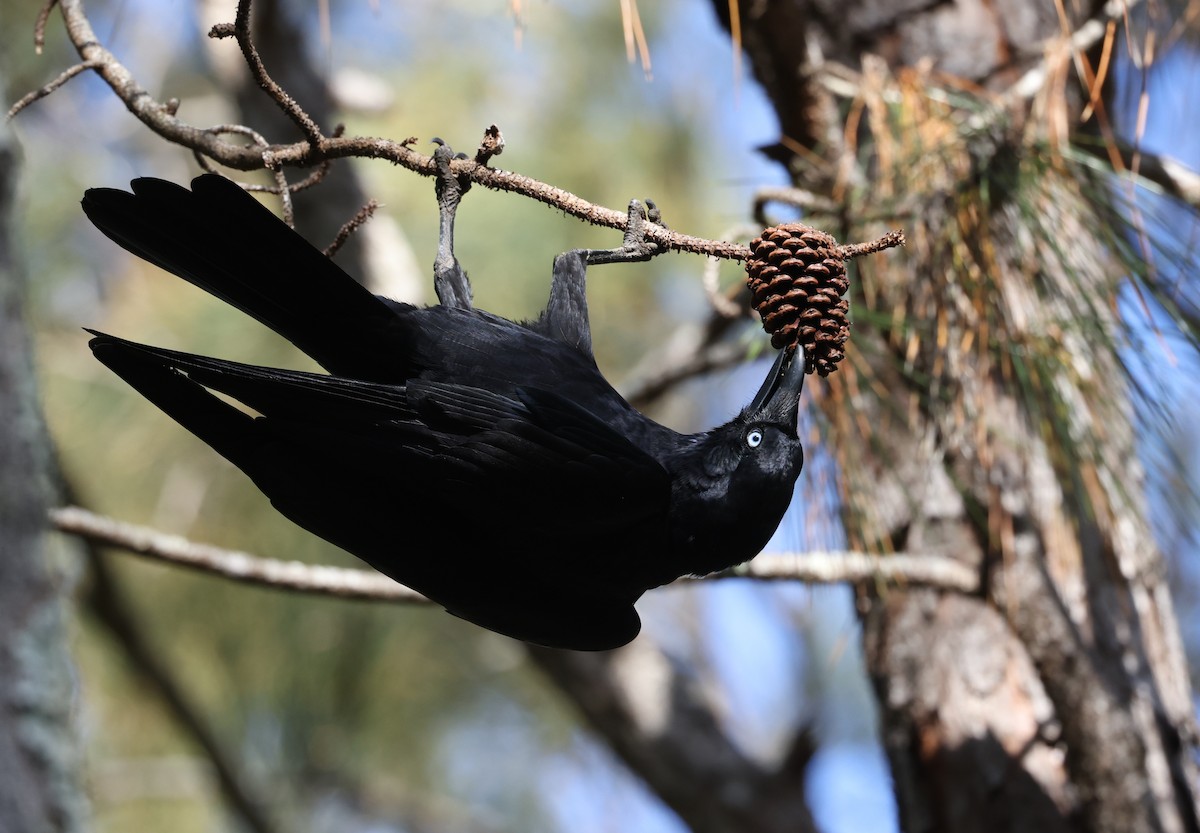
483	462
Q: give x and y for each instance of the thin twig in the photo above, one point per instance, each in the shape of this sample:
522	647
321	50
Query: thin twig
721	302
318	174
888	241
64	77
242	34
821	567
365	213
39	26
236	129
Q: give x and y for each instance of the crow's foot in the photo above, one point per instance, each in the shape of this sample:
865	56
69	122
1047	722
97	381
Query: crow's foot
636	246
449	279
449	186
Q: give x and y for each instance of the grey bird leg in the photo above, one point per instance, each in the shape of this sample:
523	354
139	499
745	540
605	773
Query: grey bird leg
450	281
566	315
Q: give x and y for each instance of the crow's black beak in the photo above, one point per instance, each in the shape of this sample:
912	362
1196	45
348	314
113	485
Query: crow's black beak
778	400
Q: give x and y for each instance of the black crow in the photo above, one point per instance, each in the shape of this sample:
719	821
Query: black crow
485	463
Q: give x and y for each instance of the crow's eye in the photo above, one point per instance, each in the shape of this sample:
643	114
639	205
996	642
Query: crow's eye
754	438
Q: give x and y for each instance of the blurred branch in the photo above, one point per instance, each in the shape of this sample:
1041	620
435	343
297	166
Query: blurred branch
796	197
1083	38
239	566
350	583
107	603
1170	175
677	366
65	76
666	731
836	567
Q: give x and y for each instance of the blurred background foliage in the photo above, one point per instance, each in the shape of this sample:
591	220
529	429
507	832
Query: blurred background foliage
350	716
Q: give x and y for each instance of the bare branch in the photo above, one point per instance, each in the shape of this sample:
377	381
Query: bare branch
888	241
863	568
107	602
240	30
658	380
63	78
316	148
798	197
349	583
663	726
352	225
1170	176
721	302
281	184
39	27
239	566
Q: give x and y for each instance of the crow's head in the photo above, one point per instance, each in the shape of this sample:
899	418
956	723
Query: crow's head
732	485
770	450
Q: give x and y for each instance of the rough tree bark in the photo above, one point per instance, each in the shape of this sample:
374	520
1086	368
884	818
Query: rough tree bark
40	785
1058	699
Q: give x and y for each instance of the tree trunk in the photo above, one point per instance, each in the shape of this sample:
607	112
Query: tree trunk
1058	699
40	787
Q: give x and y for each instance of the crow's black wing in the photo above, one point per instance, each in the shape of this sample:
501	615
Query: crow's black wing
523	513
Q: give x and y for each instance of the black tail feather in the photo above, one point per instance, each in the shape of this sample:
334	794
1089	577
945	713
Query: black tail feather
221	239
230	431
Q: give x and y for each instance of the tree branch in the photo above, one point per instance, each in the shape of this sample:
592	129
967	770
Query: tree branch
40	93
239	566
240	30
1171	176
838	567
666	731
351	583
317	148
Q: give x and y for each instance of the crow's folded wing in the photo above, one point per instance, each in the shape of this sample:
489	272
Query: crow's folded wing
477	440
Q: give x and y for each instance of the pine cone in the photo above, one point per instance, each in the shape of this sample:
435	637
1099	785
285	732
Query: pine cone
797	276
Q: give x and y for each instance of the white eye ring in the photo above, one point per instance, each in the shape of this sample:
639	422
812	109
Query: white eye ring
754	438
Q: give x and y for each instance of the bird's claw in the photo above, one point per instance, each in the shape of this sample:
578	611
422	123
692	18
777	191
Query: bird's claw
636	246
652	213
449	186
449	280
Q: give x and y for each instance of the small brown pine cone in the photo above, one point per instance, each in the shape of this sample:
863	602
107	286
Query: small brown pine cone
797	276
